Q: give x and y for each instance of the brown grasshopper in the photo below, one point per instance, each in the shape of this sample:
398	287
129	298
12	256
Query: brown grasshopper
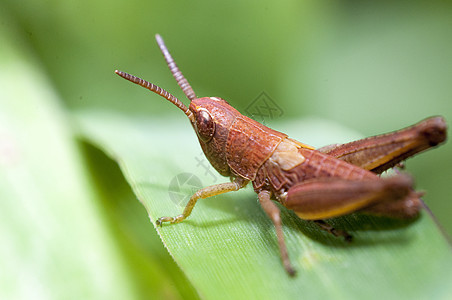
317	184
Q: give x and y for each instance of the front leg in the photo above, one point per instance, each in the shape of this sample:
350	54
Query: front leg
206	192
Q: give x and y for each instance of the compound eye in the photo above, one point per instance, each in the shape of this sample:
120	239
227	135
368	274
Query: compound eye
205	126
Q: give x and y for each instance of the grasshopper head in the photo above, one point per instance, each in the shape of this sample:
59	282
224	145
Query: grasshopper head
211	117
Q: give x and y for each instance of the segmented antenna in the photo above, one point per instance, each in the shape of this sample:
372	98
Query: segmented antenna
158	90
177	74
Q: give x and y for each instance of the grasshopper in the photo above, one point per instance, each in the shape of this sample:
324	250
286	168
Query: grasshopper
317	184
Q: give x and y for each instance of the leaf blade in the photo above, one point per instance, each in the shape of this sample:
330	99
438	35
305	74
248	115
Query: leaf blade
228	247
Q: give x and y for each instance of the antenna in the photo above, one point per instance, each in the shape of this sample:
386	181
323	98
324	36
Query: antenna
158	90
177	74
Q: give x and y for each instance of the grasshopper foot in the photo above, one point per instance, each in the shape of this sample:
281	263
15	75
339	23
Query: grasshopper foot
171	220
336	232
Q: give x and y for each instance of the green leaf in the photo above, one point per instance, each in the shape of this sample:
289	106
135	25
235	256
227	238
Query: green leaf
227	247
58	238
53	242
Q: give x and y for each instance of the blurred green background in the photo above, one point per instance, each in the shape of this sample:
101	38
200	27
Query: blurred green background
371	66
